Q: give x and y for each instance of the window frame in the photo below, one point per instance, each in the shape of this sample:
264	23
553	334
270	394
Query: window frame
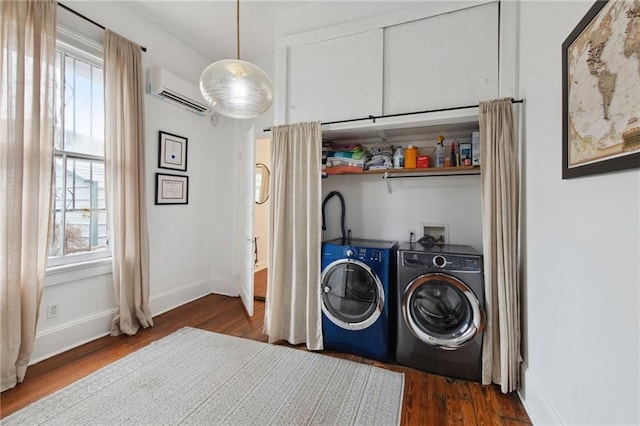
80	48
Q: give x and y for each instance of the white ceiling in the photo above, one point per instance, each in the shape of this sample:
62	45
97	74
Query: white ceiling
209	26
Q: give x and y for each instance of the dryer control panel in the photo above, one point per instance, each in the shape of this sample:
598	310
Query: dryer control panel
441	261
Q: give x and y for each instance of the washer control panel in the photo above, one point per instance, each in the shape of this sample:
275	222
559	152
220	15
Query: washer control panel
441	261
363	254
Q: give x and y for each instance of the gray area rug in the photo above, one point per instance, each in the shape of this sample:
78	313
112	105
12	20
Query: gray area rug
199	377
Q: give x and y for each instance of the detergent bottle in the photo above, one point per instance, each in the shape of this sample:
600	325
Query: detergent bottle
410	157
398	158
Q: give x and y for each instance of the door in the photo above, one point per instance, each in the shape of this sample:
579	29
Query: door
246	225
336	79
352	294
441	310
457	50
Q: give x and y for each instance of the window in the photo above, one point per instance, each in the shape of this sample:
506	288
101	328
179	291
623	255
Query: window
79	212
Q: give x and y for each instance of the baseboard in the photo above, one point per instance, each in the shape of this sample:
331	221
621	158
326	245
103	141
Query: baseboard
163	302
535	400
70	335
225	288
83	330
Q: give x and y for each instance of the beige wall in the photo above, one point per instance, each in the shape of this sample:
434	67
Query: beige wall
261	211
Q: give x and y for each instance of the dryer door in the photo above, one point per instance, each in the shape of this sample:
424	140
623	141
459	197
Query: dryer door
352	295
441	310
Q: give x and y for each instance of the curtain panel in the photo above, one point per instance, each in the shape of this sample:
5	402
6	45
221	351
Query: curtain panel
500	223
125	183
27	64
293	305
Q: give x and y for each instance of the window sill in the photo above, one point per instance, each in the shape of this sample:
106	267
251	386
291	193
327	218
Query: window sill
77	271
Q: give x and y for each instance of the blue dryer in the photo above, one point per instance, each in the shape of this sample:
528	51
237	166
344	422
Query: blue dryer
356	282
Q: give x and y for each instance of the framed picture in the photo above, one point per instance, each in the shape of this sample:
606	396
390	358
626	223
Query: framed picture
172	152
601	91
172	189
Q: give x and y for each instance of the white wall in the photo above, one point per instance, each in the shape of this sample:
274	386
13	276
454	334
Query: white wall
188	243
373	213
581	253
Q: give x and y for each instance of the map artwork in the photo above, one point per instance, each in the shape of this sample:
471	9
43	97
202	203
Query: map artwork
604	86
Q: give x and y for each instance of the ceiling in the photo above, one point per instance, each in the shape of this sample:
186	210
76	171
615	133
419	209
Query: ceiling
209	27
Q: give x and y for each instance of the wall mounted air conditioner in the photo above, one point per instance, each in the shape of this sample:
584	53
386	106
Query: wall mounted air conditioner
171	88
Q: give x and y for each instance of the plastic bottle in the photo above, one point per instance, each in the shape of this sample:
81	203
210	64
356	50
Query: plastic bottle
410	157
440	152
398	158
454	162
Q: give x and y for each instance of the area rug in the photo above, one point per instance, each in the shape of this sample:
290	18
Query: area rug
199	377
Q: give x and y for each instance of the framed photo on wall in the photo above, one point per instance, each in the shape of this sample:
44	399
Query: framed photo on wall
172	152
601	91
172	189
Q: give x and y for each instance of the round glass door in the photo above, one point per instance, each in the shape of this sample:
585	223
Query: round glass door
352	295
441	310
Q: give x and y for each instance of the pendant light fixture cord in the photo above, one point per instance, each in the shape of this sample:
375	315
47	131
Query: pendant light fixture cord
238	28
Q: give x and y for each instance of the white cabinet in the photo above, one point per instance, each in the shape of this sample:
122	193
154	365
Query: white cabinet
442	61
448	56
335	79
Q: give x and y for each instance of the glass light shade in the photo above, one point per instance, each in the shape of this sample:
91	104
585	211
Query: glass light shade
236	89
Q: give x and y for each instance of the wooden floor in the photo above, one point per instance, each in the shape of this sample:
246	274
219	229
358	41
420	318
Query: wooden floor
260	285
428	399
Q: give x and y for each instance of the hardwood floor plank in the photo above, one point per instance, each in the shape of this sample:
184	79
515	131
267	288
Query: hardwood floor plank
260	284
428	399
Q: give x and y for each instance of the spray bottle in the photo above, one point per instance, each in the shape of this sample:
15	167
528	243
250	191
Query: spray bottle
440	152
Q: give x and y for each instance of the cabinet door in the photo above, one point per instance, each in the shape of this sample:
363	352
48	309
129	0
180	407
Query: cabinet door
441	61
336	79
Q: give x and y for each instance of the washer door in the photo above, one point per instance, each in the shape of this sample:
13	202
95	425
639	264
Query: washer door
441	310
352	295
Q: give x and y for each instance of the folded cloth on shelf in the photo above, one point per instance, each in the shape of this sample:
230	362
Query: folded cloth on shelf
349	148
350	154
340	170
381	158
381	150
345	161
378	164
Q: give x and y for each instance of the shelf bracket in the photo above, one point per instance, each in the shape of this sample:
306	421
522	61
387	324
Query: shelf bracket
386	177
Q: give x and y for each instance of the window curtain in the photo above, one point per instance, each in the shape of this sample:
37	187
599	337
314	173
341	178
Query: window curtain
27	64
125	183
500	215
293	311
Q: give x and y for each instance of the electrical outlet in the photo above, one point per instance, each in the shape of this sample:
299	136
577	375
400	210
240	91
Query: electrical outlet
53	310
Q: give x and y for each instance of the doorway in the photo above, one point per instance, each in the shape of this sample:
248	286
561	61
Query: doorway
261	217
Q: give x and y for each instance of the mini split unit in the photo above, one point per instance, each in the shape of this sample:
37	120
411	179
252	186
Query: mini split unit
171	88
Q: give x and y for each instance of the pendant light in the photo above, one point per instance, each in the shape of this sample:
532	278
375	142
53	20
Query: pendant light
235	88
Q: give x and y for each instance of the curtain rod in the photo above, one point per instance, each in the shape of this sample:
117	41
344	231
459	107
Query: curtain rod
374	117
80	15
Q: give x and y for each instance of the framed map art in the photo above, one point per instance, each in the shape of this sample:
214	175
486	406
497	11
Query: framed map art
601	91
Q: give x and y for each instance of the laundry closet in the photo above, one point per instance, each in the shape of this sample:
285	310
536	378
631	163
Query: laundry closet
402	271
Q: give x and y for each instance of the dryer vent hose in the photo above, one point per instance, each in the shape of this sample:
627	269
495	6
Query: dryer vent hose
324	203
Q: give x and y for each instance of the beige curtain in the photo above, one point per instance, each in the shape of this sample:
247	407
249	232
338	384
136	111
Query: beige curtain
500	215
27	61
293	311
125	183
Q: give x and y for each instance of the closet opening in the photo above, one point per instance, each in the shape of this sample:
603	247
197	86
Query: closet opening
261	218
